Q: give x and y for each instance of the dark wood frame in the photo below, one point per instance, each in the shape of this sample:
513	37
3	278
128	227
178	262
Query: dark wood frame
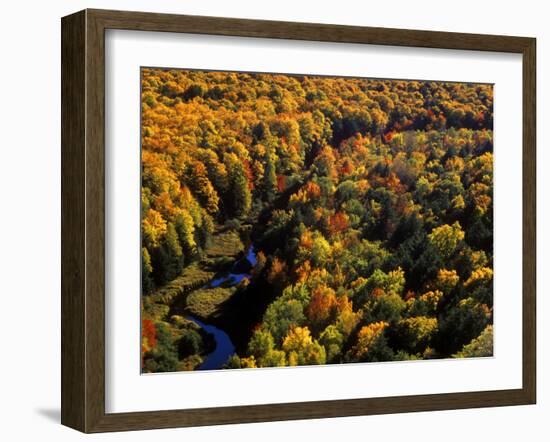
83	215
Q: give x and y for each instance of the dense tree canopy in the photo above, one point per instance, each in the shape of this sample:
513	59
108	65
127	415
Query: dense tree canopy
370	203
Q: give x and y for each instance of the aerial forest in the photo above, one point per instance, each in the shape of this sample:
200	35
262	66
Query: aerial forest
294	220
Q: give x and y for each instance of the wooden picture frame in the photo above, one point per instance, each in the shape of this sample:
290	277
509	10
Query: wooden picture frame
83	220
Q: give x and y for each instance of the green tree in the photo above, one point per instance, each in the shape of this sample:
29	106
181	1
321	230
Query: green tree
320	250
146	271
262	348
332	340
260	344
480	347
415	334
174	253
446	238
281	316
241	198
185	229
371	345
461	324
302	349
164	357
201	186
270	179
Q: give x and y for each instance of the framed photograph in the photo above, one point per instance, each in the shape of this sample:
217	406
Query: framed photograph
267	220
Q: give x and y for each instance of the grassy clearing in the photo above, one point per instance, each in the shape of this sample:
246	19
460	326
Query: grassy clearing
226	244
205	303
193	276
153	311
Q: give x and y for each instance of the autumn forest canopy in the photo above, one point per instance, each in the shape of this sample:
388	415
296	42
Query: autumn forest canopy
296	220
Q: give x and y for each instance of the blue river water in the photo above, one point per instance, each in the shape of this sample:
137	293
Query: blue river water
233	277
224	346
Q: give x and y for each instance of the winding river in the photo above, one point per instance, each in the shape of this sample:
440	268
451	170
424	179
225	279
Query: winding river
224	346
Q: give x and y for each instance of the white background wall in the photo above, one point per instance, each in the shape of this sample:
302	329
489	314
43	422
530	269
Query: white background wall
30	217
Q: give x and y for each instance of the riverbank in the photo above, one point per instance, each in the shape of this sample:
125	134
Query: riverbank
187	305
